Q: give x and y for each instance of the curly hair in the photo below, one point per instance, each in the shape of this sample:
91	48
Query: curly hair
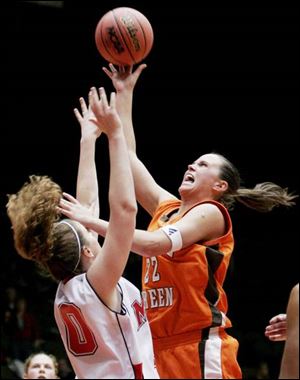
37	235
32	212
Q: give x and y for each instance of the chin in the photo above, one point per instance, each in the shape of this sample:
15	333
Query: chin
182	189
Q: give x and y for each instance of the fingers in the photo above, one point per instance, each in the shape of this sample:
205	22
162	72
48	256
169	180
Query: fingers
103	97
93	98
107	72
101	107
112	68
70	197
110	73
113	100
139	69
275	329
82	105
276	337
84	109
64	211
77	114
278	318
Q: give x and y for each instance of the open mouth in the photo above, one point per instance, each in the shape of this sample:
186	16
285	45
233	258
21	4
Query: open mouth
189	178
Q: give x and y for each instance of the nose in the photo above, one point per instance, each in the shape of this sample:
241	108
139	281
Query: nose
191	167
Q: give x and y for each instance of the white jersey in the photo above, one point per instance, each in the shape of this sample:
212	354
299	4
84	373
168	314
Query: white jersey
102	343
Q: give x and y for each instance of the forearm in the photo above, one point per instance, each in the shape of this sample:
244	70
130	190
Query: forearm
144	243
87	183
121	188
124	107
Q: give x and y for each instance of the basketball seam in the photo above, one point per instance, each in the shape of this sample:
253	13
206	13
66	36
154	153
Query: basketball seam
141	26
106	48
123	37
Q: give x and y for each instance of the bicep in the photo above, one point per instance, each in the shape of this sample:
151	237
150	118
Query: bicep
148	193
204	222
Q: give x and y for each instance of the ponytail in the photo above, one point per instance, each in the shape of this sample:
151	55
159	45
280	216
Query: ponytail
263	197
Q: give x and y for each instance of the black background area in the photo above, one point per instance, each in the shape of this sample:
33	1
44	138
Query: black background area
218	78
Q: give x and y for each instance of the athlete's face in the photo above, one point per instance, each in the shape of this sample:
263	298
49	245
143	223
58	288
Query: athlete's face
41	366
202	176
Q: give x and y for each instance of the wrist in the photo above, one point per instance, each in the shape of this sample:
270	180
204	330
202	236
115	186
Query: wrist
125	91
88	140
116	133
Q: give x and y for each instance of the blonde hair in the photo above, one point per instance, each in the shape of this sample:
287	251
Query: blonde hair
37	234
30	357
263	197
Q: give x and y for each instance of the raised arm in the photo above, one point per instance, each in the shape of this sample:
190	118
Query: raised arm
149	194
87	184
109	265
290	359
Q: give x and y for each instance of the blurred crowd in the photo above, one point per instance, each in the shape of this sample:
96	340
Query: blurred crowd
27	321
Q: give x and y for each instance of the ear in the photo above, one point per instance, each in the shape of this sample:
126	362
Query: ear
220	186
87	252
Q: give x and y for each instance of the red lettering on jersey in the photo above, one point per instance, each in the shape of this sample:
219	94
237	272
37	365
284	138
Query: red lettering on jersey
139	312
80	338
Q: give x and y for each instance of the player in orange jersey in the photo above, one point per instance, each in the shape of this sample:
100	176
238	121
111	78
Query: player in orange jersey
186	250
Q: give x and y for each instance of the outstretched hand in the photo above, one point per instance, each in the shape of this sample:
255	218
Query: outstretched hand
276	330
104	110
124	78
88	123
73	209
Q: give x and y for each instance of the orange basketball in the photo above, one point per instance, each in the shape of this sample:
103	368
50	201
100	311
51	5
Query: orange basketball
124	36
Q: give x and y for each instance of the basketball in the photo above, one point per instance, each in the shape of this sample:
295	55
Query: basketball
124	36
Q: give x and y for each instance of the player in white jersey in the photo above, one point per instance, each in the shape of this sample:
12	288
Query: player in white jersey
92	332
99	314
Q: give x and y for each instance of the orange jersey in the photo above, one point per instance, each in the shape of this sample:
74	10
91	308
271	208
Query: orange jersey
186	304
184	293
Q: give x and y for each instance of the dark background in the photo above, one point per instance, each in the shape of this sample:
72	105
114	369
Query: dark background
218	78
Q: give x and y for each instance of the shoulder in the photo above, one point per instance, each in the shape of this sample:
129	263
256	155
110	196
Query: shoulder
216	210
205	209
295	291
168	205
293	304
207	222
74	287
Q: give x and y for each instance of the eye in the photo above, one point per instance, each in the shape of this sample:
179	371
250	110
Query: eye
202	163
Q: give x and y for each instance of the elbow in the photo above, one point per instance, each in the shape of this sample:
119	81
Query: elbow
126	208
